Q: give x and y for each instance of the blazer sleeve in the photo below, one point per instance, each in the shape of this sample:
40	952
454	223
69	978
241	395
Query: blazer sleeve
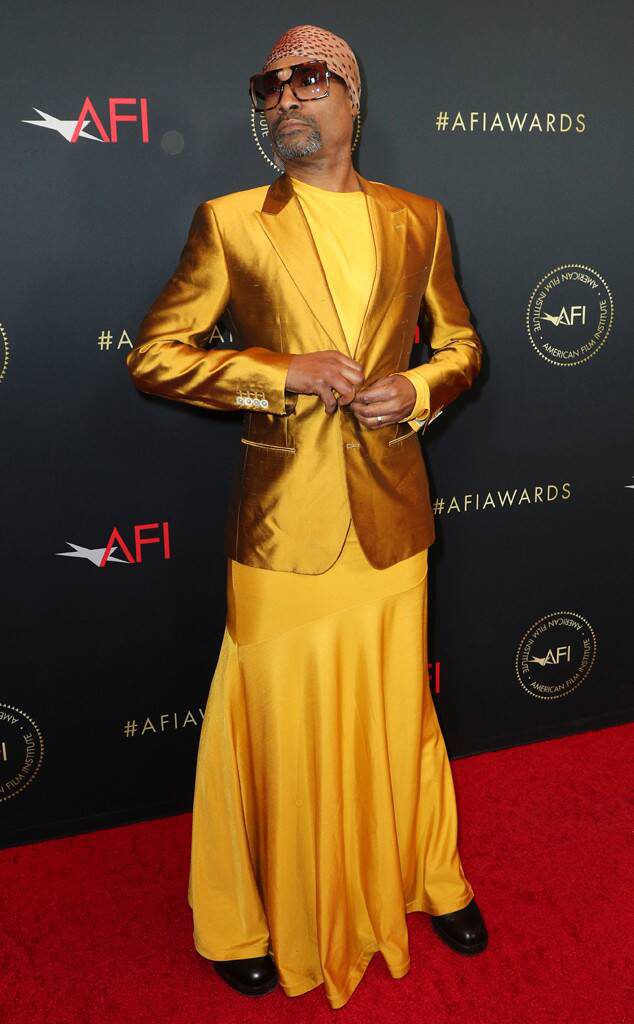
419	416
456	348
168	357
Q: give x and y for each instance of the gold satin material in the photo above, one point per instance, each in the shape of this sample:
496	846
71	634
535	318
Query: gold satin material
304	471
343	235
340	225
324	807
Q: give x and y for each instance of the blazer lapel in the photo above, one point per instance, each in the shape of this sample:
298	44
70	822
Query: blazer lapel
285	224
388	218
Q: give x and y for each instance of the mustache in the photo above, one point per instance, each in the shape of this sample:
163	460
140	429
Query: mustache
283	120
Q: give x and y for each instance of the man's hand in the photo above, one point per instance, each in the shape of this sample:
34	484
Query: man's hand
392	398
317	373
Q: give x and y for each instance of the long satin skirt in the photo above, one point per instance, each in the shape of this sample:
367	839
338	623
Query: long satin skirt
324	807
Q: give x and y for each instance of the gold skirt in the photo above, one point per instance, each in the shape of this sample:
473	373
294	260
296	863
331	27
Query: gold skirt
324	807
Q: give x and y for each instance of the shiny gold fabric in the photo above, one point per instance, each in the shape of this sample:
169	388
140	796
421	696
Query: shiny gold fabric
324	807
304	471
340	225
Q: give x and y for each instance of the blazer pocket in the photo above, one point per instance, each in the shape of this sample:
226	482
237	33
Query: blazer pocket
266	444
403	437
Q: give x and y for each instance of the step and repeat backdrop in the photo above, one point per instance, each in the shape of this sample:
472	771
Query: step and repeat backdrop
117	123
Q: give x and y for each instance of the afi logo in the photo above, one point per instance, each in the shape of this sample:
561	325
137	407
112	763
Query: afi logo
567	318
99	556
74	129
139	542
554	657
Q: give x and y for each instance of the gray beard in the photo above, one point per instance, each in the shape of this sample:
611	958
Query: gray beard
289	150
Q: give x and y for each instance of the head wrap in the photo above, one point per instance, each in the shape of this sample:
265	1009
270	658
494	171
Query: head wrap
311	41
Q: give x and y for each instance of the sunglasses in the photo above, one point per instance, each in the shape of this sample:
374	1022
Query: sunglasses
309	81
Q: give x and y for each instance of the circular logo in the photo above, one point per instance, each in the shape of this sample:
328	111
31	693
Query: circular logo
4	353
21	751
569	314
555	655
262	137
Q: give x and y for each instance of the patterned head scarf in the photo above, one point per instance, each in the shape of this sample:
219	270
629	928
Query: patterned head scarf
311	41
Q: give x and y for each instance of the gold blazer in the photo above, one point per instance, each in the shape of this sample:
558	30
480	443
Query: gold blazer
303	471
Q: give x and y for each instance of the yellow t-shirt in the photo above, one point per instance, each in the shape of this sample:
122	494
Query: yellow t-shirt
340	225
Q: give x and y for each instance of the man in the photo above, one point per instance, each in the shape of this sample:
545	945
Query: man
324	808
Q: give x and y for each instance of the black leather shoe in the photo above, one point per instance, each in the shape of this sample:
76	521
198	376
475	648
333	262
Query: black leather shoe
464	930
252	976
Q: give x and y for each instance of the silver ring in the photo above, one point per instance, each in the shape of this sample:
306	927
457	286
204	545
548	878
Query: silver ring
379	418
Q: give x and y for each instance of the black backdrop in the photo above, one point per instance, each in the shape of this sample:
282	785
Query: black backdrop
514	117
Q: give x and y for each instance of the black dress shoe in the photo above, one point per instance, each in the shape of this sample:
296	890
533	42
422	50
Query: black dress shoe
252	976
464	930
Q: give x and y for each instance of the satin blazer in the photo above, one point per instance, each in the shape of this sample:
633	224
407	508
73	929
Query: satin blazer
303	472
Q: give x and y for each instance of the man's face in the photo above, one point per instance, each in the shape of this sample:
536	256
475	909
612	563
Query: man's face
325	124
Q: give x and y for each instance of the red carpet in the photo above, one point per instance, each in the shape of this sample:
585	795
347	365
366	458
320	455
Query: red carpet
97	928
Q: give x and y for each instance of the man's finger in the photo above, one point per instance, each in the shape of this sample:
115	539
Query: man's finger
354	364
377	404
327	397
352	375
377	392
386	411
